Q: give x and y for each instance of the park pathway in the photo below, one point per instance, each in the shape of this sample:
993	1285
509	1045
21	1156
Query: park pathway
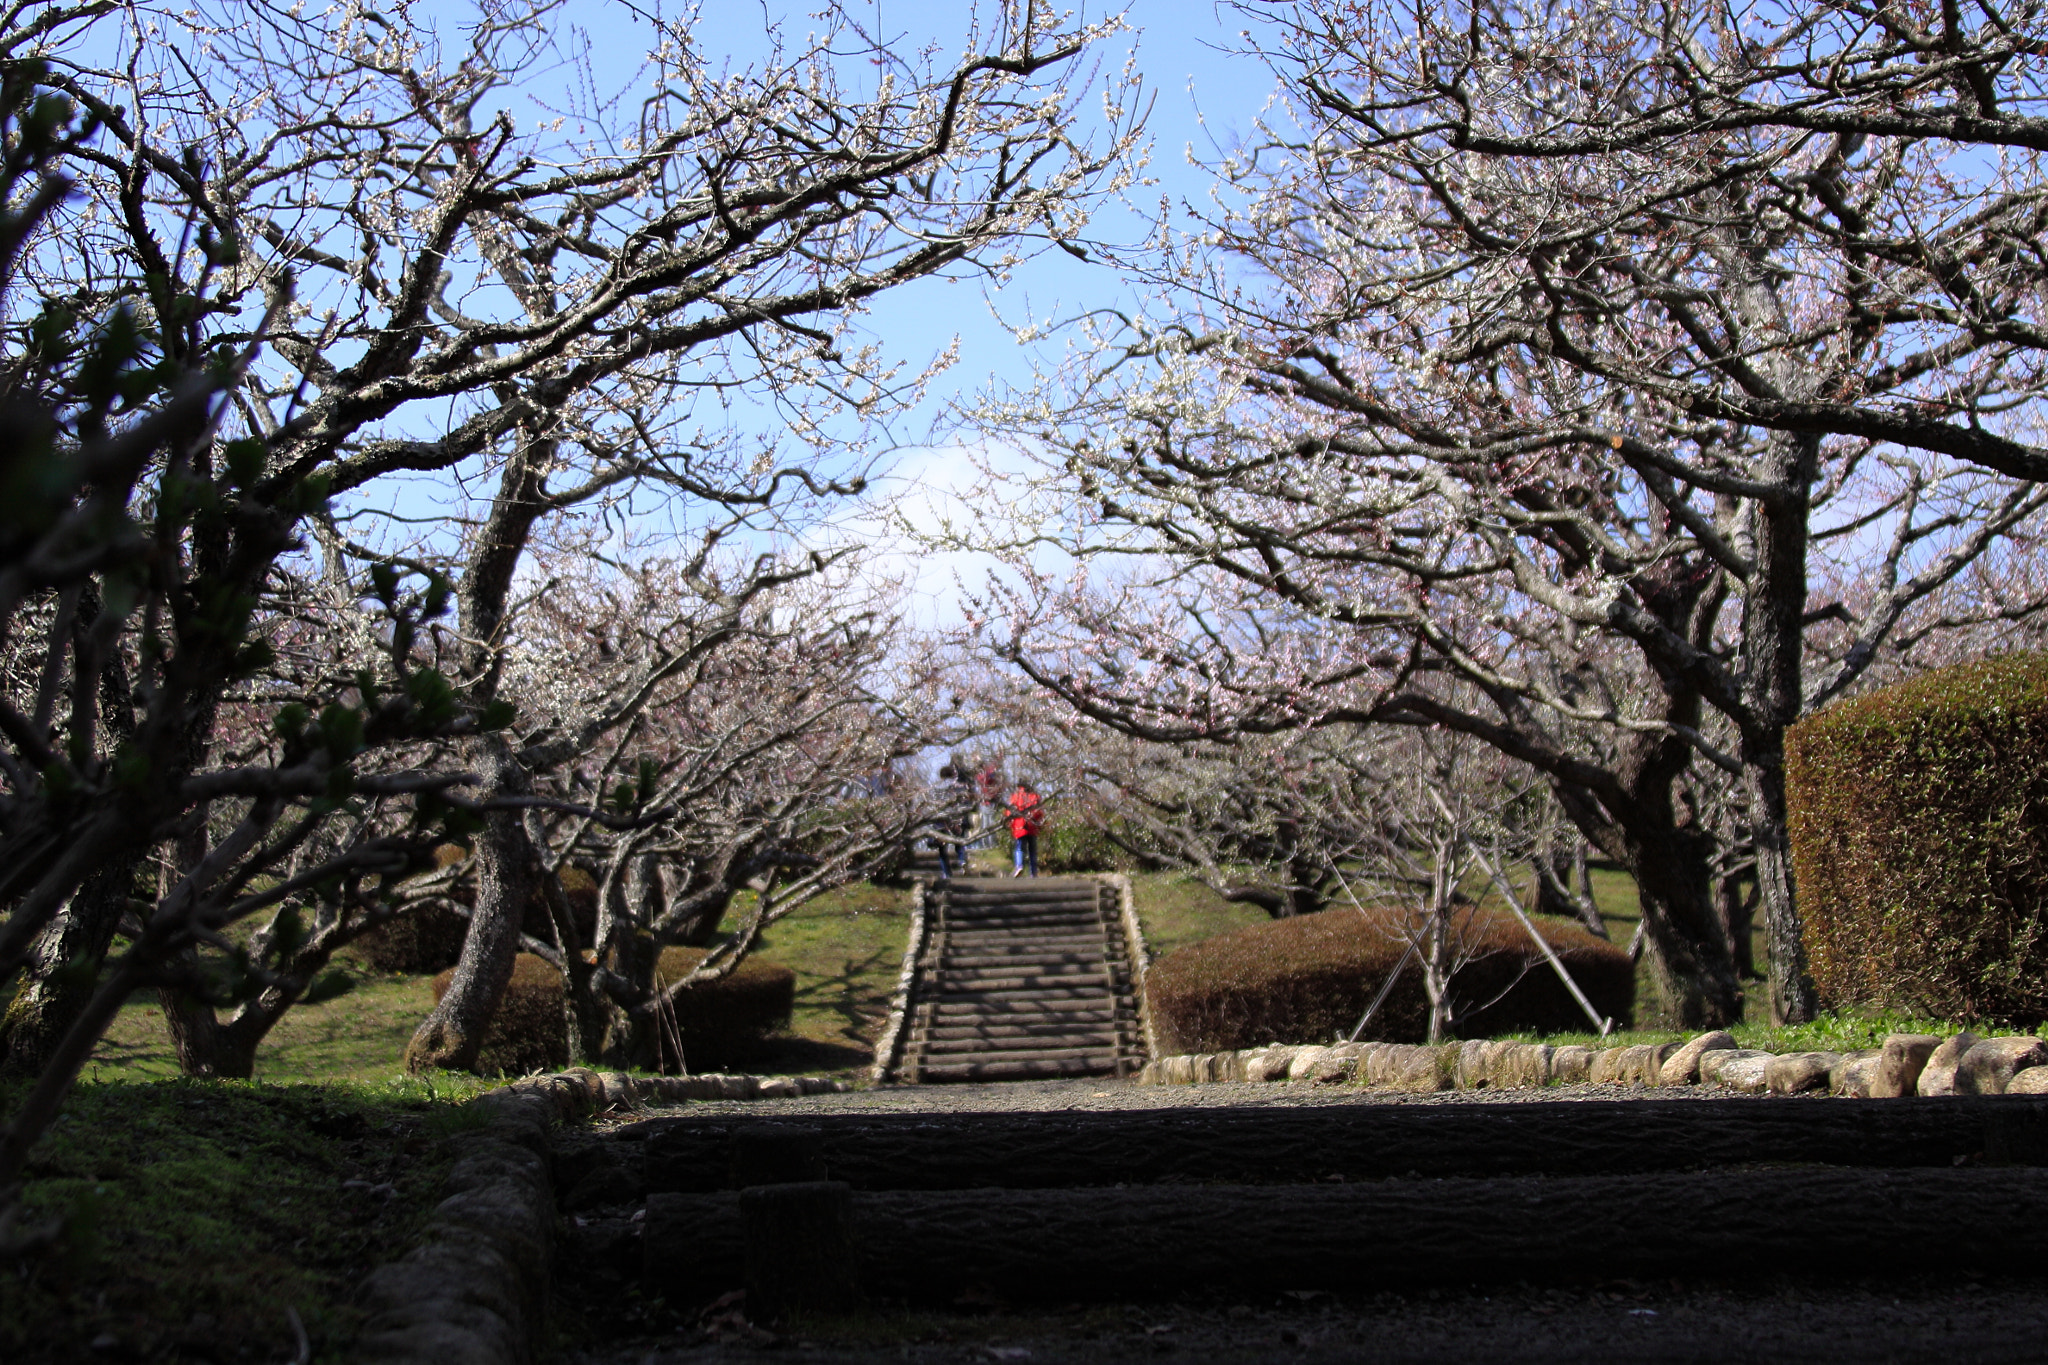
1020	980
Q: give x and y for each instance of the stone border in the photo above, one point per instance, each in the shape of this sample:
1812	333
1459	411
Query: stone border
1138	954
890	1043
475	1291
1908	1064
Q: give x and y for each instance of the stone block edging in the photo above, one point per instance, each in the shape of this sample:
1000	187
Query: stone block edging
1984	1066
889	1045
475	1291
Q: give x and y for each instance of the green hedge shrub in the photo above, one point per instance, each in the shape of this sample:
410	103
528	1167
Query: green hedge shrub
1919	824
528	1032
1306	978
722	1022
427	940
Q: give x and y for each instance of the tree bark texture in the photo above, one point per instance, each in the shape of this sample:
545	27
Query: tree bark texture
63	970
1039	1151
1114	1243
450	1036
1773	643
507	864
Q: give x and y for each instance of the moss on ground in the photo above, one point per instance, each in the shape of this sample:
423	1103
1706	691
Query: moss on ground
199	1217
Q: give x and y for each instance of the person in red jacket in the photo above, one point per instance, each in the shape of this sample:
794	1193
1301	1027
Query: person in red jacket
1027	817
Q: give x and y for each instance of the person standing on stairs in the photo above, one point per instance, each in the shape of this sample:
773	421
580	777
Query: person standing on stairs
1027	817
951	835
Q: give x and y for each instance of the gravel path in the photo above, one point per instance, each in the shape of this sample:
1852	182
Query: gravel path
1109	1095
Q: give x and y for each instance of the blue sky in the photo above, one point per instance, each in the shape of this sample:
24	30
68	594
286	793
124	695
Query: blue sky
1202	96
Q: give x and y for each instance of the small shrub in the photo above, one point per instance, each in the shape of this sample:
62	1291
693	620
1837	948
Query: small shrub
1919	823
579	888
722	1022
1309	977
528	1032
426	940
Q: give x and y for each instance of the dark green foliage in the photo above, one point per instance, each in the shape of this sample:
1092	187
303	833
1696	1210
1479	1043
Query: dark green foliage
1919	824
721	1022
423	940
1306	978
427	939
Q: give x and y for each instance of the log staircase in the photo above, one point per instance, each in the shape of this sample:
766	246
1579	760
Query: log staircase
1018	980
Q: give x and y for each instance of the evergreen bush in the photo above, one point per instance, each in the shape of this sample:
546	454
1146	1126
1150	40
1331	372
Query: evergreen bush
1308	978
1919	823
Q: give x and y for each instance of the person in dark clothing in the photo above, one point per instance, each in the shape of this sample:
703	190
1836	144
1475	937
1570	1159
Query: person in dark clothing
956	792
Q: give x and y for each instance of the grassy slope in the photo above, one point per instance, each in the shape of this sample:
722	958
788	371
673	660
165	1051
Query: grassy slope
845	948
199	1213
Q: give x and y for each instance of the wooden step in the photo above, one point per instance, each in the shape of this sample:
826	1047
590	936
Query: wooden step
1049	1069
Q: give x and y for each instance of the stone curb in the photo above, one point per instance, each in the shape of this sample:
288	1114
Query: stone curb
889	1046
1987	1066
475	1291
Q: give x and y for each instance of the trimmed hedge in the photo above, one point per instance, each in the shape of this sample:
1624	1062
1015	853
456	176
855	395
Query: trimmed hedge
426	940
724	1021
721	1022
430	938
528	1032
1307	978
1919	823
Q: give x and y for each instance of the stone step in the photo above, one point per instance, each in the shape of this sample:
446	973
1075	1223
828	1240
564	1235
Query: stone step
1024	955
991	905
1092	968
1045	926
993	984
981	995
1009	938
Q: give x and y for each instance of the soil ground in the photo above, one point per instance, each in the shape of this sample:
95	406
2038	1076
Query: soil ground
1595	1314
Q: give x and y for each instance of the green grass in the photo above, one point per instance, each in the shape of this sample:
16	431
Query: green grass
358	1036
846	948
1177	910
196	1214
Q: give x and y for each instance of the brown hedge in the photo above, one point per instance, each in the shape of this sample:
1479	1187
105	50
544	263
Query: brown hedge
721	1022
1919	823
528	1032
1309	977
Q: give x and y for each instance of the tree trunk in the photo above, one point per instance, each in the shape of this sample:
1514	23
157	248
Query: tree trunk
1738	897
449	1037
1773	638
63	970
1682	932
198	1039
